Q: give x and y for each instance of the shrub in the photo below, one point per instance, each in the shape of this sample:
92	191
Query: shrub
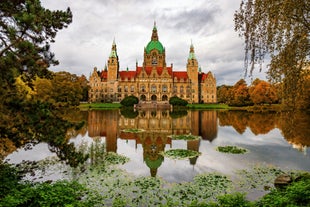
176	101
129	101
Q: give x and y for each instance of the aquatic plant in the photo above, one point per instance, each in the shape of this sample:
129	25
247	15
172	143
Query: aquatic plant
231	149
180	153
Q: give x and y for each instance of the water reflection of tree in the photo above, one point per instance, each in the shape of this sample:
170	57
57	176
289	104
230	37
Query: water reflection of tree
262	123
41	122
237	119
295	127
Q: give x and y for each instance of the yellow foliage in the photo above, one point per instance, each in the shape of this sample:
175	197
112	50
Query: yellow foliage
23	89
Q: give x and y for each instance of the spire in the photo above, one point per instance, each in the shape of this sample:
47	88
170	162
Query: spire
154	33
191	52
113	50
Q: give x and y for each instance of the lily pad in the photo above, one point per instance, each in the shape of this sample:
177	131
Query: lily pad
180	154
184	137
133	130
231	149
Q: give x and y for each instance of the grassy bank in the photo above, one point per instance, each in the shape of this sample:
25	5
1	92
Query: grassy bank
87	106
255	108
208	106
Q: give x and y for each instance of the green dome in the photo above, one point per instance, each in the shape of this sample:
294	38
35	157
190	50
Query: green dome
154	45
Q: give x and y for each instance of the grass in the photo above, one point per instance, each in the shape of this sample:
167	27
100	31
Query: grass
100	105
208	106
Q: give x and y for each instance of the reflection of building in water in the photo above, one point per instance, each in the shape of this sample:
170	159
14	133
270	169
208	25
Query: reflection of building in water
104	124
208	125
158	125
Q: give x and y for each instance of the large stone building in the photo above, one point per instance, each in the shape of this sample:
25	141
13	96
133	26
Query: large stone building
154	81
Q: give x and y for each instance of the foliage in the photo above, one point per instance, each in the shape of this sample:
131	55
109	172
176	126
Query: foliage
9	178
61	193
232	200
296	194
176	101
184	137
130	101
231	149
240	94
262	92
26	31
224	94
281	29
180	153
260	177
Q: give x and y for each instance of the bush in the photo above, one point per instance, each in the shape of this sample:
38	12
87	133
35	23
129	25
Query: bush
176	101
296	194
129	101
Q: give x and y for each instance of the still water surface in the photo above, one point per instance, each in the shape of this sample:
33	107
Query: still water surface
276	139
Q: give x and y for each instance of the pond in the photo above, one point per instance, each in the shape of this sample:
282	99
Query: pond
270	139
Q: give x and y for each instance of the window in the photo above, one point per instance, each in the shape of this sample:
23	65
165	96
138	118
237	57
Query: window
142	88
175	89
153	88
119	89
181	89
126	89
132	89
164	88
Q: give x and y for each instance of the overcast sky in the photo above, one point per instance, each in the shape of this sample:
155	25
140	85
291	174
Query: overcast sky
87	42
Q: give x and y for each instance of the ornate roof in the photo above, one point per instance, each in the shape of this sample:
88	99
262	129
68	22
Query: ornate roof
154	43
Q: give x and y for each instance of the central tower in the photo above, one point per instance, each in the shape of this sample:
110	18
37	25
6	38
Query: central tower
154	52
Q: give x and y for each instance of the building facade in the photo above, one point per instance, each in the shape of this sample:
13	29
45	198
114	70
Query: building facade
154	81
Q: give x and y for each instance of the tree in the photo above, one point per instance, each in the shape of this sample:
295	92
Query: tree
26	30
240	94
224	93
130	101
280	29
262	92
176	101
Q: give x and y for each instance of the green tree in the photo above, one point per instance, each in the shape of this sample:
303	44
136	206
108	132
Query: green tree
130	101
176	101
26	29
280	29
